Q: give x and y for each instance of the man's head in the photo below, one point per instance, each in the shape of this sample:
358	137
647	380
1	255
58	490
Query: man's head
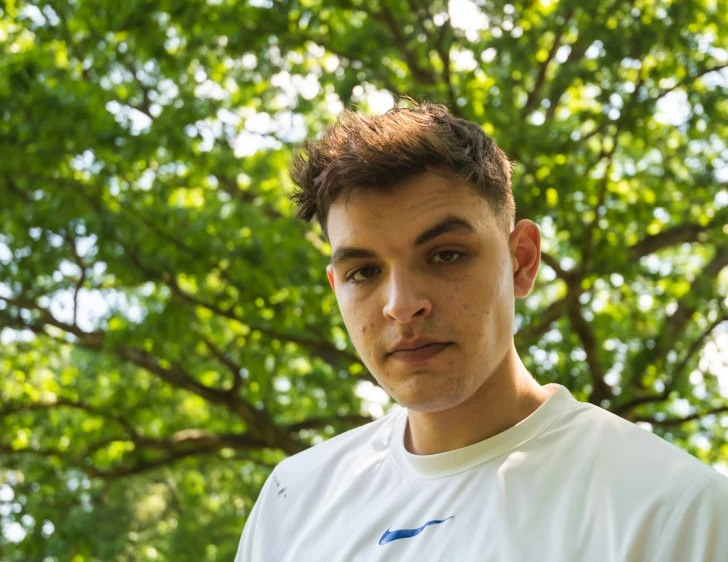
422	247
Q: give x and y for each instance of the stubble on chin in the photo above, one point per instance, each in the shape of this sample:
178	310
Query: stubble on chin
441	392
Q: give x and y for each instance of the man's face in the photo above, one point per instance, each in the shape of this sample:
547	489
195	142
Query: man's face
394	283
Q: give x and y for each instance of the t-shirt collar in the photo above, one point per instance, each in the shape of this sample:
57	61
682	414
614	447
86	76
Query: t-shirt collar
459	460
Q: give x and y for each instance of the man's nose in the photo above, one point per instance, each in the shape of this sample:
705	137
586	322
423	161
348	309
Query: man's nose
406	298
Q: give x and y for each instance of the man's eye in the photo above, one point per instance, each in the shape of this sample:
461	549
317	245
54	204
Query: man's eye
447	254
353	278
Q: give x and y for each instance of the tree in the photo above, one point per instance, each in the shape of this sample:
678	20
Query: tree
169	334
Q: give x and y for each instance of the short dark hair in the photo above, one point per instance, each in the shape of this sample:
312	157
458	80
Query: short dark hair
380	151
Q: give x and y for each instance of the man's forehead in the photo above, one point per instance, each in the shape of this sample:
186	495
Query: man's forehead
405	210
353	246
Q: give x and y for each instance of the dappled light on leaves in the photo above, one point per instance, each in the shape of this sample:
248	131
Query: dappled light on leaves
167	332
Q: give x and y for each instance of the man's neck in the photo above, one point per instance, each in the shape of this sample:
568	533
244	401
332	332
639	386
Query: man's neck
508	396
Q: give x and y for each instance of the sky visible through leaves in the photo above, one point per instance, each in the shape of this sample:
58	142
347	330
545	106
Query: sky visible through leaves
630	191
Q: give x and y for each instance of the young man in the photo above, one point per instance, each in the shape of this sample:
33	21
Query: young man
482	463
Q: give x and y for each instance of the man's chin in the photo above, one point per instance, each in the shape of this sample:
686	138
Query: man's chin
424	402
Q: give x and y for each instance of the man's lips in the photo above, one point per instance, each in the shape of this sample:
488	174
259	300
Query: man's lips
414	343
420	354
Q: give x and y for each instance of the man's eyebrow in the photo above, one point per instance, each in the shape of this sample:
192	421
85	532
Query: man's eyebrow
449	224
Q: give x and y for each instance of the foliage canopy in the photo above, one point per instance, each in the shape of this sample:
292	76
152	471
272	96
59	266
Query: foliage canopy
168	331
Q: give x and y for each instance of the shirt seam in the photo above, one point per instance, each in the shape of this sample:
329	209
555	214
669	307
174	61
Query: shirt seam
689	494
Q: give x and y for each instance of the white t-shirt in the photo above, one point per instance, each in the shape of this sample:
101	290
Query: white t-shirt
571	482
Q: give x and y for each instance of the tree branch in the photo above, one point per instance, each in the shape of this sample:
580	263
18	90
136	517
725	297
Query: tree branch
259	423
145	105
325	350
549	260
386	17
675	325
71	242
533	95
183	444
679	234
555	311
600	389
578	49
627	410
694	347
316	423
443	51
671	422
233	367
687	80
589	235
322	349
61	402
230	186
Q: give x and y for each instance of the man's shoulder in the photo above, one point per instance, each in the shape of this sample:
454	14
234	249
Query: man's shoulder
619	444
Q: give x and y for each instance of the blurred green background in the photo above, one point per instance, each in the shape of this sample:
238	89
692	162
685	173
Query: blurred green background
167	332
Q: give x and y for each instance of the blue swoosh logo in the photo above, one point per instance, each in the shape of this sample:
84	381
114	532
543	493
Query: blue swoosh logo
390	536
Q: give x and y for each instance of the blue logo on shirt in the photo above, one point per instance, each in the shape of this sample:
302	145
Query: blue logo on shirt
390	536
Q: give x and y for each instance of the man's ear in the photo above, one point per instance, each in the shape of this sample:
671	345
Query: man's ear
525	247
330	275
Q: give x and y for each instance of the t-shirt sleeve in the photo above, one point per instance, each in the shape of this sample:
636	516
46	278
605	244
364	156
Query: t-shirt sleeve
698	528
246	548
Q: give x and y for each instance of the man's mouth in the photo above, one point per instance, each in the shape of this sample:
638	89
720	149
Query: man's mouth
420	354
